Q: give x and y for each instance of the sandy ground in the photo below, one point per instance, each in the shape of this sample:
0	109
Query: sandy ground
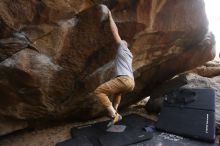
51	136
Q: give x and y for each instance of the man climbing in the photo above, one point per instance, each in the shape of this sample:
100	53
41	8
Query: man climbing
124	79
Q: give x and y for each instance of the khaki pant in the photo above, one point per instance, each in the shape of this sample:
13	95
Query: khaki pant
115	87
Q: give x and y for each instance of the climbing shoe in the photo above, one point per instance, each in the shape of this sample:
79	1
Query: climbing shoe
115	119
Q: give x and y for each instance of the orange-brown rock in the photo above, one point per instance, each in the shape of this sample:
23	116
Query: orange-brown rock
76	51
209	69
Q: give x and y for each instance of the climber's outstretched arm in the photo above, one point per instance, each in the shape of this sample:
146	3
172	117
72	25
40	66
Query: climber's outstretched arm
114	29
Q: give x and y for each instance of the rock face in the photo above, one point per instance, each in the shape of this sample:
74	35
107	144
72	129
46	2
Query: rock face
75	51
209	69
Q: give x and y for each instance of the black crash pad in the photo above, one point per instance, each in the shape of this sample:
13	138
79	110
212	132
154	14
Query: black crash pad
95	135
77	141
133	133
159	139
194	120
167	139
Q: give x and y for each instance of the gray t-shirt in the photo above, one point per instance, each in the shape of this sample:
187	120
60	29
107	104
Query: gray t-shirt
123	61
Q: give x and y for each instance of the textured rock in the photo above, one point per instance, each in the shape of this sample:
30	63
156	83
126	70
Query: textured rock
209	69
10	124
76	50
187	80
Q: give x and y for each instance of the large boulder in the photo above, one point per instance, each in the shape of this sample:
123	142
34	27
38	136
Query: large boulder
74	52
